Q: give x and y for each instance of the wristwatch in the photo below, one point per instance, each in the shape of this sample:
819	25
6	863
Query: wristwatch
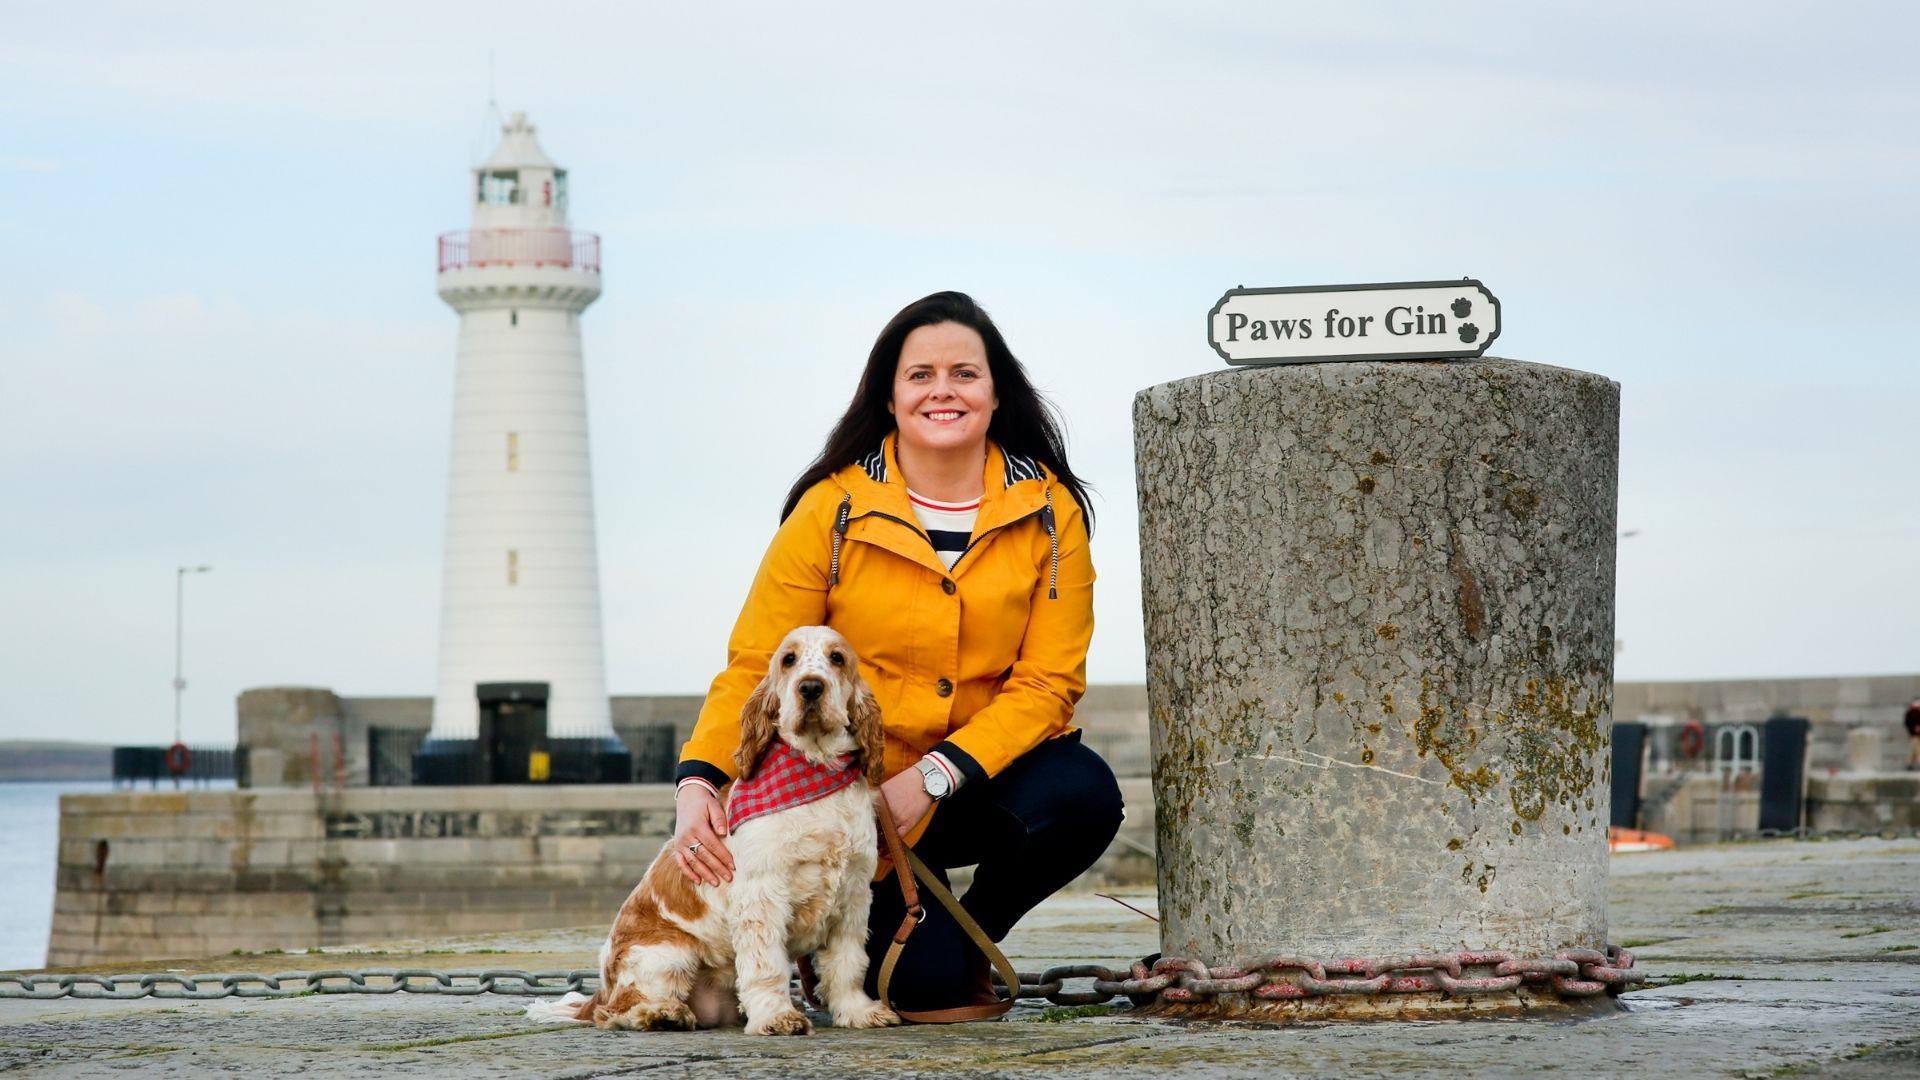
934	779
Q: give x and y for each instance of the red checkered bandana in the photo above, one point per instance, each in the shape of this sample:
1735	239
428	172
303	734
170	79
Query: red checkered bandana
785	779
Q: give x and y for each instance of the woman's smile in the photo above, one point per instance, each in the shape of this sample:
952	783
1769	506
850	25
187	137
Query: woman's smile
943	398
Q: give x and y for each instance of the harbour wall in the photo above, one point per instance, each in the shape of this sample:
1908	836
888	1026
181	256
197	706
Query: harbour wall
289	862
290	732
154	875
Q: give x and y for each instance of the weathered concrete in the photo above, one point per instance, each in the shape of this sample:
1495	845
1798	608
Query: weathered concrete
1379	620
1779	957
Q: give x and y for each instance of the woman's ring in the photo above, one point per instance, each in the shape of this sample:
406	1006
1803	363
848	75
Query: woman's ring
693	848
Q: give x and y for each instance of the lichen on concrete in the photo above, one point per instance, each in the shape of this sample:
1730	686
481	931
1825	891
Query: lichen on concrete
1379	615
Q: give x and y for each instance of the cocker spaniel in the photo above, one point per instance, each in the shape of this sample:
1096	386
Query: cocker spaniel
802	835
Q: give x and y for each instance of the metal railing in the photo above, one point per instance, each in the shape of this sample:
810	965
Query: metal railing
655	753
132	764
390	755
477	249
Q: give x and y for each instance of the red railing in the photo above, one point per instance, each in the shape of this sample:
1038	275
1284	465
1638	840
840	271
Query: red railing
477	248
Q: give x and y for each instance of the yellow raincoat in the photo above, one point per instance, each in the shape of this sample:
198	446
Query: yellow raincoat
983	662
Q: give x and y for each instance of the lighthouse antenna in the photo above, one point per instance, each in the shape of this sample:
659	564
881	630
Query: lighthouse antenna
492	121
493	101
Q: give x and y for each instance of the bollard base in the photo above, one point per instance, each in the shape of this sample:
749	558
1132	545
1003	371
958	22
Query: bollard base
1524	1002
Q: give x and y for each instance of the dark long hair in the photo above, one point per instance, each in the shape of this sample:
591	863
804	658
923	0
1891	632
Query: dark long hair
1024	423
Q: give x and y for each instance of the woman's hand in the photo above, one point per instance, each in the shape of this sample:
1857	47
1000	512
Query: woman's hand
700	821
907	800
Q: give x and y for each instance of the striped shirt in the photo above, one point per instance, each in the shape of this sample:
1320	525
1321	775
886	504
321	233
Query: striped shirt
948	525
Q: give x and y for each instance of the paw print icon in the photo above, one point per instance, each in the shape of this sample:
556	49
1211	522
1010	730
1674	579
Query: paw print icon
1469	333
1462	308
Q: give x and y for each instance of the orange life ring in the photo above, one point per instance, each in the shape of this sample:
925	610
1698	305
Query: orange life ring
179	758
1693	738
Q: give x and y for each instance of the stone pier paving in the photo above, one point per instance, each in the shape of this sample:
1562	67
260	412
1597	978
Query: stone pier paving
1777	958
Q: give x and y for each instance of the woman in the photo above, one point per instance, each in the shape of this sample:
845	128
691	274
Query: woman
943	533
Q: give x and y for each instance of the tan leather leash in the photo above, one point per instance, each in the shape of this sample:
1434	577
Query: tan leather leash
907	866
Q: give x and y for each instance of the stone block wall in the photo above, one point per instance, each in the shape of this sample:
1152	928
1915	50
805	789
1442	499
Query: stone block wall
1836	706
1866	803
148	875
1698	808
153	875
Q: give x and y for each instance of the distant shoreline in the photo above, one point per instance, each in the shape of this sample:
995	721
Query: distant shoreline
45	760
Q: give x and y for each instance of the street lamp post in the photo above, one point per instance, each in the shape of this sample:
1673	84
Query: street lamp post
179	626
1620	644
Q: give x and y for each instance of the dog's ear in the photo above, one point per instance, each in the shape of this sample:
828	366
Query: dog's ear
759	725
863	717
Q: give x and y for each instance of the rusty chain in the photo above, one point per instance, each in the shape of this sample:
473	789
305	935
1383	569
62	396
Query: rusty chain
1169	979
1173	980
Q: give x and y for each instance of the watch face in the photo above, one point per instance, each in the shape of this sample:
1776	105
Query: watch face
934	780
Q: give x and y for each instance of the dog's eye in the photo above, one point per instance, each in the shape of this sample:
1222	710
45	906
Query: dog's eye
837	659
788	660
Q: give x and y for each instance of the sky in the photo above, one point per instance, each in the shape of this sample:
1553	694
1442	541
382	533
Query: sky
220	343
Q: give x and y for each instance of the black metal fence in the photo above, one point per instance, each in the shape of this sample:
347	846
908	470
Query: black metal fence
390	754
654	752
132	764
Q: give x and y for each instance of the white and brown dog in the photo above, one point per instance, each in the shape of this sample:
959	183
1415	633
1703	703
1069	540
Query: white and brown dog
678	950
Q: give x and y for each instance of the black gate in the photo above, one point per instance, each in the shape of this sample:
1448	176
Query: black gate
1629	744
1783	772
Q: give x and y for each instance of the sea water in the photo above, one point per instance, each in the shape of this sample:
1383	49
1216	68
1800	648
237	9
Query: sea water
29	854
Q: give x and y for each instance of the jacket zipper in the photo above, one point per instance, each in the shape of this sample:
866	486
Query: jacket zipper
975	542
1045	514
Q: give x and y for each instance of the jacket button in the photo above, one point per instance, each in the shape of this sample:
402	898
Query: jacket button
944	688
947	586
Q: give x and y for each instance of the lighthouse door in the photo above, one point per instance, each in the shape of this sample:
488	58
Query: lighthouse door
513	730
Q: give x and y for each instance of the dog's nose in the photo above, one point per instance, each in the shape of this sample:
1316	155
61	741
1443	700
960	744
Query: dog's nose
811	688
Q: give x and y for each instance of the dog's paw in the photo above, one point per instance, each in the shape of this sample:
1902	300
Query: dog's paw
790	1022
871	1015
671	1016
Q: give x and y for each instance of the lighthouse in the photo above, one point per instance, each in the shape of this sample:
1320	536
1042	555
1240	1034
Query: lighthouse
522	688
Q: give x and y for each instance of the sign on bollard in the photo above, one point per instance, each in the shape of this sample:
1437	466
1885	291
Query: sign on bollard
1399	320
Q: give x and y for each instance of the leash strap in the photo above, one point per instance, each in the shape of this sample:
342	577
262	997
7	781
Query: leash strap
906	867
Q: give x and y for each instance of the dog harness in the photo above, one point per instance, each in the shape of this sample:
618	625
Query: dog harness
784	779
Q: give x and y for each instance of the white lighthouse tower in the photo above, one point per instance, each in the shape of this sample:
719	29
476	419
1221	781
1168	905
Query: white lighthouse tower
520	591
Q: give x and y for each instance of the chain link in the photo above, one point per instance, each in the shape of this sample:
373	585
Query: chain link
176	987
1171	979
1176	980
1805	833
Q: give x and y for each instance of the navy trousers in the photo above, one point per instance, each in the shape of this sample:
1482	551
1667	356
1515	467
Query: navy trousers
1028	832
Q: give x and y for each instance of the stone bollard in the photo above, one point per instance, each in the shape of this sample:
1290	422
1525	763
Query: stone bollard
1379	628
1864	750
